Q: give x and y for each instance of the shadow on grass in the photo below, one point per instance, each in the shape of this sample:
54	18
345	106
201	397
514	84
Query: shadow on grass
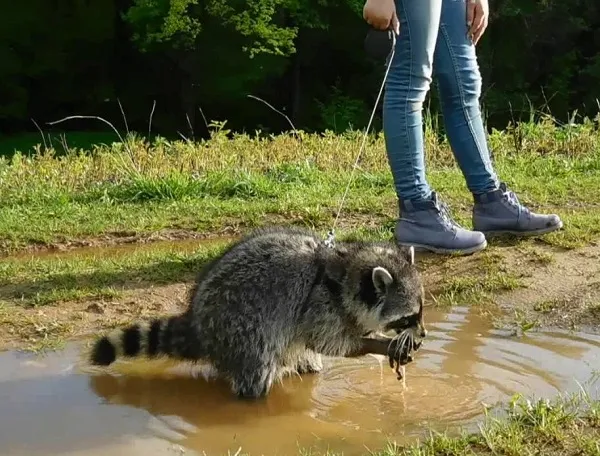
68	286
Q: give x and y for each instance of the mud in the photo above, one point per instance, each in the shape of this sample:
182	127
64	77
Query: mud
559	289
113	239
56	405
228	228
184	244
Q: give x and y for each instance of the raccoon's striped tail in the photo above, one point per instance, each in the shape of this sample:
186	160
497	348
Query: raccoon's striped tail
162	336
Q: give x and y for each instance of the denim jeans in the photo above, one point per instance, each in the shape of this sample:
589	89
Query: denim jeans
433	42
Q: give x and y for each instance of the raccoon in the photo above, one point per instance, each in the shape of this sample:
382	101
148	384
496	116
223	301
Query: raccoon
276	300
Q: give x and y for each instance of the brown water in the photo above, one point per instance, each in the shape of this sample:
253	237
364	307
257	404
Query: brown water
52	405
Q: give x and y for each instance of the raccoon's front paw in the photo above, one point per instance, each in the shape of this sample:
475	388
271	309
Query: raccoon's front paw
400	353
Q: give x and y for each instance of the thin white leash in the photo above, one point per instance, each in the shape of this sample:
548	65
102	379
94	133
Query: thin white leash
330	239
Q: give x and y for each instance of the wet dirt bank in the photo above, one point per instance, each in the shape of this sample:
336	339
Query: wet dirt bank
521	288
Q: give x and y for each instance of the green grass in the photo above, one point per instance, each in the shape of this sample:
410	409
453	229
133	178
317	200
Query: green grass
232	182
476	288
46	280
239	181
568	425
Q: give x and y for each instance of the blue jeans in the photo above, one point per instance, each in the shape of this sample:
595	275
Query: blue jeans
433	41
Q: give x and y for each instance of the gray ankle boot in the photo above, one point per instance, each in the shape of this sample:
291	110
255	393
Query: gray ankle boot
500	212
428	225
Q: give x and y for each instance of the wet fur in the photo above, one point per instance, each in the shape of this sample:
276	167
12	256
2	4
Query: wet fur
274	302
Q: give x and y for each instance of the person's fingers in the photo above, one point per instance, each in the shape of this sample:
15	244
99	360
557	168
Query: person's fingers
366	15
479	23
382	24
479	32
396	24
380	18
377	23
478	20
470	12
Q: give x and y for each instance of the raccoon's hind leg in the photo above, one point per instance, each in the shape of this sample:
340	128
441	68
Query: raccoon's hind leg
254	378
310	362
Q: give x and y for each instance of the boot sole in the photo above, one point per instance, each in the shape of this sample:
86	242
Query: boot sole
444	251
524	233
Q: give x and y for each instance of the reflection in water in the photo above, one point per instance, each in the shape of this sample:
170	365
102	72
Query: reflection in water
53	408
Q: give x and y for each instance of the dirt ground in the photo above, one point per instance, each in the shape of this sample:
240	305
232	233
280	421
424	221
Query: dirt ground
549	288
557	288
562	294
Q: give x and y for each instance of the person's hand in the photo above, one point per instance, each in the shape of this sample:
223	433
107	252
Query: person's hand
381	14
478	12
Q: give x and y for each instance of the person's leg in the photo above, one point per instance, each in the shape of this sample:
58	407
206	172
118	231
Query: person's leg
406	88
459	82
424	222
457	73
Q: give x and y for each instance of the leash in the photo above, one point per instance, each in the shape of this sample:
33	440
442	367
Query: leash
374	44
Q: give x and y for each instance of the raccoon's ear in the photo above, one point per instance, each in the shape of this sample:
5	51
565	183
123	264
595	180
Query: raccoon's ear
381	278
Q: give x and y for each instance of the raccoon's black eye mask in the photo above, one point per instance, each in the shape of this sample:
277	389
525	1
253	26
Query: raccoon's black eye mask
403	323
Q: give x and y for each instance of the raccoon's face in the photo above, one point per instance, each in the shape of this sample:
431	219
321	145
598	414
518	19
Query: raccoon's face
400	300
400	297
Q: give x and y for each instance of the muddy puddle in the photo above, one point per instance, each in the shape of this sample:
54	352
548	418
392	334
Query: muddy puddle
54	405
120	249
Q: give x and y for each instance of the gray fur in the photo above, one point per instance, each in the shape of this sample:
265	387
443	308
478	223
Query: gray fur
277	300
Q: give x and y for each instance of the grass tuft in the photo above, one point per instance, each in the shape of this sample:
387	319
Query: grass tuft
476	289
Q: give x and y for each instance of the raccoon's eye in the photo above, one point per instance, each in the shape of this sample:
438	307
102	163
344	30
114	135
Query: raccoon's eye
403	323
399	325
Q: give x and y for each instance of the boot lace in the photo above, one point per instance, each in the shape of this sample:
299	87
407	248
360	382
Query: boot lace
513	200
449	222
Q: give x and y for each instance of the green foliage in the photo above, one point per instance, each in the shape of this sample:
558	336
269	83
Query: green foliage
163	21
341	112
65	58
269	26
547	61
254	20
